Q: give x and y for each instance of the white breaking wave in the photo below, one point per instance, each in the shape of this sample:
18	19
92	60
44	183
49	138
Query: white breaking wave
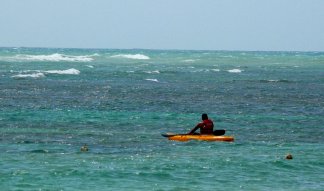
152	72
40	74
132	56
189	60
71	71
235	71
52	58
34	75
216	70
153	80
272	80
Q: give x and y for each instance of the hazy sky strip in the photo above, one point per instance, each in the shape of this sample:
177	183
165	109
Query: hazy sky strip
292	25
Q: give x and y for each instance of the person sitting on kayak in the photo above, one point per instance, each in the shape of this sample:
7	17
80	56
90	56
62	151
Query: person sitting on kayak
206	126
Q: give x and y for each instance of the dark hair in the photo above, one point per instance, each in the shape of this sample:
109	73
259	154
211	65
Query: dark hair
204	116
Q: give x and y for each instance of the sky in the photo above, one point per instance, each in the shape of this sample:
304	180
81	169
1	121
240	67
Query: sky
253	25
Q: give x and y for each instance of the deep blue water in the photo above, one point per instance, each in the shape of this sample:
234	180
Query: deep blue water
118	102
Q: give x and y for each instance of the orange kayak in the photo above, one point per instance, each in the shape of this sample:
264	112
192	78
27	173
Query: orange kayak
185	137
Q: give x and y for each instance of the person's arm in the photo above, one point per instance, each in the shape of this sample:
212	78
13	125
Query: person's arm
194	129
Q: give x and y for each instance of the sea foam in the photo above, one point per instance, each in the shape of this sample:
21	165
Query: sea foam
189	60
152	80
152	72
34	75
235	71
51	58
40	74
71	71
131	56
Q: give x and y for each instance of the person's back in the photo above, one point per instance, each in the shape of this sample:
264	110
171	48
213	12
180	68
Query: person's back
206	126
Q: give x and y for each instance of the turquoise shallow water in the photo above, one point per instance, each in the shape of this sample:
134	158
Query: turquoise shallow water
118	102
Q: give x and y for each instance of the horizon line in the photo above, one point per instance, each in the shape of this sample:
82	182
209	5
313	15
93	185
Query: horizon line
158	49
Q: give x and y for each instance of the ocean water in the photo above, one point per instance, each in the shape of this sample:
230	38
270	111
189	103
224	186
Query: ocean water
118	102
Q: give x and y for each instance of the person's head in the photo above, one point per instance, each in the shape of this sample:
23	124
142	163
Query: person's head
289	157
204	116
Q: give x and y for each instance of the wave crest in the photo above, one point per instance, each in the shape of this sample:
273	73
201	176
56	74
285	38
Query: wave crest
40	74
131	56
51	58
34	75
68	71
235	71
152	72
152	80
